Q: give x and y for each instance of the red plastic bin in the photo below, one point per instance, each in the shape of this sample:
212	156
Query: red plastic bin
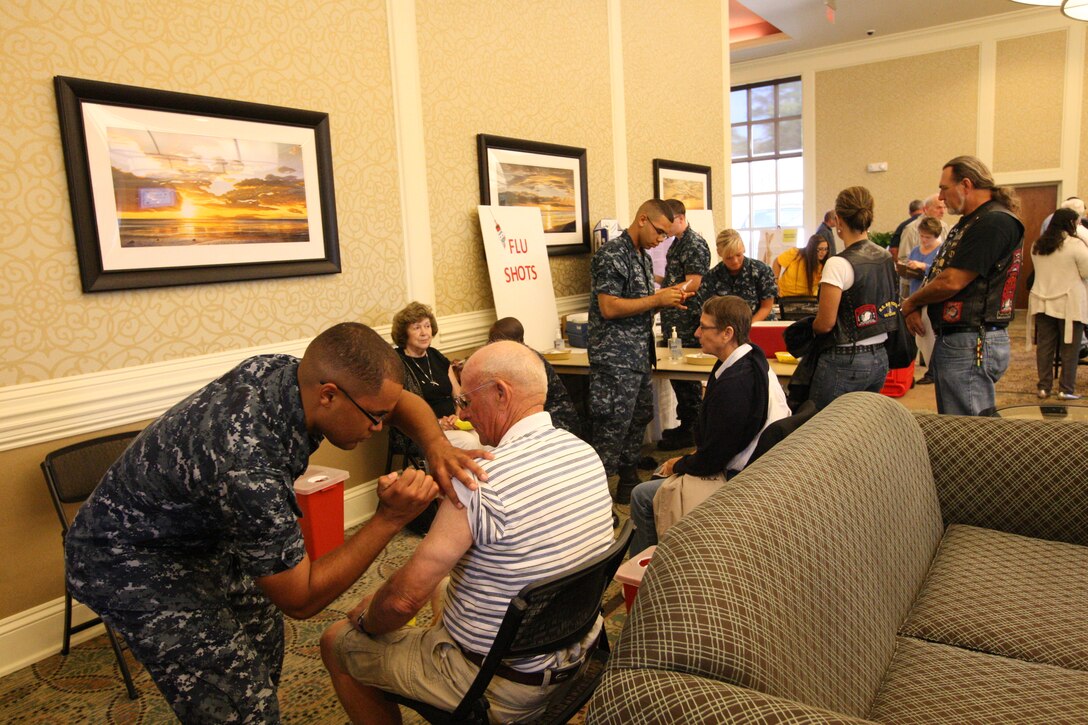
630	574
898	382
770	336
320	494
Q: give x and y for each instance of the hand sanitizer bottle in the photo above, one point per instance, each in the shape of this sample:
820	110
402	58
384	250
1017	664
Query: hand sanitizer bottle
675	351
559	340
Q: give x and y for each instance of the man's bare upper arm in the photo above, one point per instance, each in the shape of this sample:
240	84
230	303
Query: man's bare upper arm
448	539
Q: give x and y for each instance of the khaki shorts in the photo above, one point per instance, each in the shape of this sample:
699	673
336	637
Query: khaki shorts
426	664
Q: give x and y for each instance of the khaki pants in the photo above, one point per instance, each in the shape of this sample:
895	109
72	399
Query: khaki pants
425	664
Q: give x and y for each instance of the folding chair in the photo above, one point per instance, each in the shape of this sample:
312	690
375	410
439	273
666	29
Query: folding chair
71	474
545	616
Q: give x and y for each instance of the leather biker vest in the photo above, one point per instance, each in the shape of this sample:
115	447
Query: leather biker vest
871	305
989	298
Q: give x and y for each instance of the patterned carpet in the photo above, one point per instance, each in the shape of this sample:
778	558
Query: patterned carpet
86	686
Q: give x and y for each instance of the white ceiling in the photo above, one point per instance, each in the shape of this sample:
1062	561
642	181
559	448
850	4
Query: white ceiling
806	24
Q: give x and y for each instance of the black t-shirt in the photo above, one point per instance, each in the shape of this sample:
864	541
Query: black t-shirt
989	240
432	373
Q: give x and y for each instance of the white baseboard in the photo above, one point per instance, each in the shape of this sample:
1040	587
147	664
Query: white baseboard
34	634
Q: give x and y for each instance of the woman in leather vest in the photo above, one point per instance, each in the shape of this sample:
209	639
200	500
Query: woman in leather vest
858	304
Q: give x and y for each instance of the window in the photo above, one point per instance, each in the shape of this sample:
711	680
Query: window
768	171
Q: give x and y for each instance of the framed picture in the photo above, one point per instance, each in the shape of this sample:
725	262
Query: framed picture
543	175
689	183
172	188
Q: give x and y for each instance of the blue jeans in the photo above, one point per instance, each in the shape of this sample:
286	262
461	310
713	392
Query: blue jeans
642	515
840	371
962	386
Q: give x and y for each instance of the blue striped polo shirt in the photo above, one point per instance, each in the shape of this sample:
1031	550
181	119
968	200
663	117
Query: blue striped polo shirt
544	510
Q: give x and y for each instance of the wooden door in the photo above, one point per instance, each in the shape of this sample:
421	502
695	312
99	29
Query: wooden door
1037	201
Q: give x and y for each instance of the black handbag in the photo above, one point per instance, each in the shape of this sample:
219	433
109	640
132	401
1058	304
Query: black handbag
901	346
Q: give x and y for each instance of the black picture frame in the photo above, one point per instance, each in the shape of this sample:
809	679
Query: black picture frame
102	123
500	157
680	180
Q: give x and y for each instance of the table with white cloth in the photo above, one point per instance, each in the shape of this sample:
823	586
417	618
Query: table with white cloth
667	369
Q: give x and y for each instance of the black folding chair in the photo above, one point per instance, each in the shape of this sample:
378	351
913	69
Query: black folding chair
545	616
71	474
781	428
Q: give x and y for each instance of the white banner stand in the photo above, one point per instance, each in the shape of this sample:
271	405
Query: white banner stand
702	221
521	278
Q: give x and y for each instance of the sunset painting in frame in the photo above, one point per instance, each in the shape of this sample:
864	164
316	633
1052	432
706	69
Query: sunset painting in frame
171	188
548	177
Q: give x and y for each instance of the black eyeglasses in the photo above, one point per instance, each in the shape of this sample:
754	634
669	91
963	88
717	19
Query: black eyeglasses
375	420
462	401
708	327
660	233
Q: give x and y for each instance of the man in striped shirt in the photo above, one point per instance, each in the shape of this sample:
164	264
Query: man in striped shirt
545	509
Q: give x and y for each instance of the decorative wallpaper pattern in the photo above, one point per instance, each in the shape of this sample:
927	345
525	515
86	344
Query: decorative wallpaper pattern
329	56
537	71
1029	90
674	86
873	112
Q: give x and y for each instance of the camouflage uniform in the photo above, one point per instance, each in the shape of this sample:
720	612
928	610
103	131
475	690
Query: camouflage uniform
167	547
558	403
689	254
620	354
754	283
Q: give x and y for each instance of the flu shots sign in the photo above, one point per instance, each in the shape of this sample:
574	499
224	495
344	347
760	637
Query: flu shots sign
521	279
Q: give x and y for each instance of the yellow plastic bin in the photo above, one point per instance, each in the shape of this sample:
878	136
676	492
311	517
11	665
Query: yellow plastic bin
320	494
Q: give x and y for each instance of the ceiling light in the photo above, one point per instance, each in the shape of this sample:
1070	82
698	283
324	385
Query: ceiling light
1076	9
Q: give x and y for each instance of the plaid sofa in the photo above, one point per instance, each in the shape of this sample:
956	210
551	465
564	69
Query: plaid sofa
876	566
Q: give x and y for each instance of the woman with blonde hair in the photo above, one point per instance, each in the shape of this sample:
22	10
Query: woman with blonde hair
740	276
857	307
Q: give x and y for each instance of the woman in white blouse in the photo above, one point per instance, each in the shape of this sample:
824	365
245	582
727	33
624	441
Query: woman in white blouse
1058	303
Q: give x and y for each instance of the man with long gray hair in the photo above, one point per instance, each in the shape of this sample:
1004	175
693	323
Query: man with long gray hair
971	288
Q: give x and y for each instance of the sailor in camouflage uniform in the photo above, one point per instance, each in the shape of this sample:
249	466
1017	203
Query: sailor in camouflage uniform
687	260
190	546
622	302
558	404
751	280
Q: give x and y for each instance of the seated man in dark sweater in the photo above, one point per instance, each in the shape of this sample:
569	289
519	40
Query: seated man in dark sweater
742	397
559	404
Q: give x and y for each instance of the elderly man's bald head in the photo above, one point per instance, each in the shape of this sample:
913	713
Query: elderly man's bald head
504	382
511	362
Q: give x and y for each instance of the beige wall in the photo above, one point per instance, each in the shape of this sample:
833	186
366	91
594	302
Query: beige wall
673	85
523	70
301	55
1028	121
910	112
